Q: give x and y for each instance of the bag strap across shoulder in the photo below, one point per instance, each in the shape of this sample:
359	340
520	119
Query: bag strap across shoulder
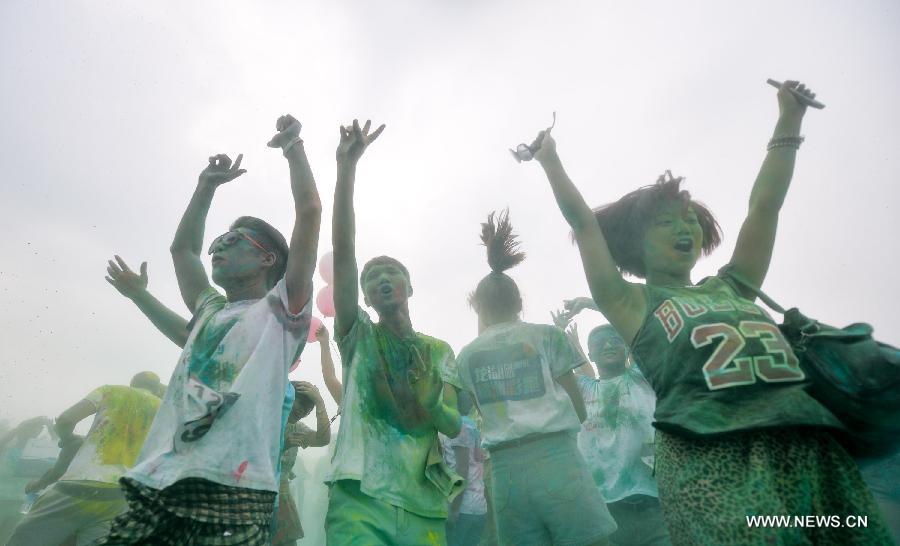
728	272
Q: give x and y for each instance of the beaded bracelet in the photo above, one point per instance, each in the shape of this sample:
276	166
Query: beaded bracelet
785	142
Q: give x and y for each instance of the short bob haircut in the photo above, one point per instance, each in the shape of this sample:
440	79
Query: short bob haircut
382	260
272	240
624	222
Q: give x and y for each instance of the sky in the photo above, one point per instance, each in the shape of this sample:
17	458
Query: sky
110	109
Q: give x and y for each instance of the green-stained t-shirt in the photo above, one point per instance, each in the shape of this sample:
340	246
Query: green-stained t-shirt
617	437
719	363
123	418
511	370
384	438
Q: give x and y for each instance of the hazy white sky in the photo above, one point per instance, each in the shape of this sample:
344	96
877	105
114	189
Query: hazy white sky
109	110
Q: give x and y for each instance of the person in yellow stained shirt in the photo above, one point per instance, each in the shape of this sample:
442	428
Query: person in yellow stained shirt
86	497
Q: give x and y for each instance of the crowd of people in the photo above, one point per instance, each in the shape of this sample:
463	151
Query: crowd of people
687	414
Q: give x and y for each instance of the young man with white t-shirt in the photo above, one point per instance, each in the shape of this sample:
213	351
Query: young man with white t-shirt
208	471
617	440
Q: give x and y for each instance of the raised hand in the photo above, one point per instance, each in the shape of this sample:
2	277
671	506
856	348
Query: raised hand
546	146
561	318
355	140
425	383
220	170
288	131
788	104
322	335
577	305
572	334
308	389
126	281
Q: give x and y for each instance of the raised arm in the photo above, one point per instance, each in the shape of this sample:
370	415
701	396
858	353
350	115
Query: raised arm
561	319
354	141
322	435
301	261
66	455
187	245
622	303
575	342
65	423
567	382
134	287
753	250
332	383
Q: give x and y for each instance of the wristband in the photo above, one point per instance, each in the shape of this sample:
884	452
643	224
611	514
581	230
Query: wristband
785	142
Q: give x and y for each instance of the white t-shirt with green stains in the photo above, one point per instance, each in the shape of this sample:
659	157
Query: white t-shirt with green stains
511	370
123	418
223	414
385	438
617	437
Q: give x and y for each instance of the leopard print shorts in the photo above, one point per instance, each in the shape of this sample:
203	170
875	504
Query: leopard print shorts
710	486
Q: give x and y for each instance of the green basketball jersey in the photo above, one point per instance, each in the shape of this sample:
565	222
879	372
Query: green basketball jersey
718	363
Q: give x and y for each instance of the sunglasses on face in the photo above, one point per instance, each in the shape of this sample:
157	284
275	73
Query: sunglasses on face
230	238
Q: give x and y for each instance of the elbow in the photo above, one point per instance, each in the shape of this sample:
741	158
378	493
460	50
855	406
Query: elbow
179	248
309	206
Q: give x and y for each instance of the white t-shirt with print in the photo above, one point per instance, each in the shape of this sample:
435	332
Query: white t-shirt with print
511	369
239	352
617	437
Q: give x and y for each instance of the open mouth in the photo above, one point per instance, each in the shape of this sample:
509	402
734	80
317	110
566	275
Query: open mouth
684	245
386	289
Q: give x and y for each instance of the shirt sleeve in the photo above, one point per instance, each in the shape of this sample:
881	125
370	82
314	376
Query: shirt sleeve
563	357
210	297
296	325
96	396
449	371
362	327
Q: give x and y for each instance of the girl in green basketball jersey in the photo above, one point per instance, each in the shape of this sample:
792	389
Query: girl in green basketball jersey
738	436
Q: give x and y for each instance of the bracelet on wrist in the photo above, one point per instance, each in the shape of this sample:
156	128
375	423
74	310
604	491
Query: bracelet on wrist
785	142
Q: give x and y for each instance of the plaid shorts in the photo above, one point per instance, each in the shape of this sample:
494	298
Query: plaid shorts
194	512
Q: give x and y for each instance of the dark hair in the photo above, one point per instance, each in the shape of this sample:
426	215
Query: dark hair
305	403
381	260
624	222
497	291
148	381
603	329
272	240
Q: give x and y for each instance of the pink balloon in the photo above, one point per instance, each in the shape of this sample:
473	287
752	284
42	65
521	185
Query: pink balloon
326	268
294	365
325	301
314	324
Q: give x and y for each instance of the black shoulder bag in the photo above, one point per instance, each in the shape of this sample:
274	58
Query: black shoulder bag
856	377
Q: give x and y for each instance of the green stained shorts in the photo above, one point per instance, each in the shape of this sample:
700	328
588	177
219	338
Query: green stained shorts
356	519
